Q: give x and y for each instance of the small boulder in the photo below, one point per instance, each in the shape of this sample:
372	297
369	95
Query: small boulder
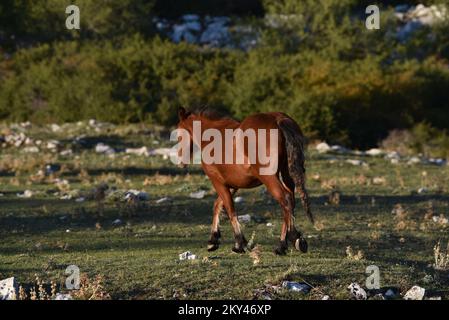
415	293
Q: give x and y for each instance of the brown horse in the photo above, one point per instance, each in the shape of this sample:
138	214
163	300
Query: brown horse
228	178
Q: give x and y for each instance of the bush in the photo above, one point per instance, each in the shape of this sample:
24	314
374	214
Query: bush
422	138
130	81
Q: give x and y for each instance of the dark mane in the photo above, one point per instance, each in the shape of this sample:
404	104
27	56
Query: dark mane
212	114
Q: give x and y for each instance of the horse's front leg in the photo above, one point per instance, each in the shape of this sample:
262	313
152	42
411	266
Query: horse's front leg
215	234
228	203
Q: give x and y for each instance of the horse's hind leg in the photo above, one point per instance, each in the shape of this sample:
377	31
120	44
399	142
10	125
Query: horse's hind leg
293	235
284	197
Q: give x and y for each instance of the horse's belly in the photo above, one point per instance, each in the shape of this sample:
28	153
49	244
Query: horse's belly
234	176
243	182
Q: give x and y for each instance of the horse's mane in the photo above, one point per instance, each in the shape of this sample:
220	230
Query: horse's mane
213	114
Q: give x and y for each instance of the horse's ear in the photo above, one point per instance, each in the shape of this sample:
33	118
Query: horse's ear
182	113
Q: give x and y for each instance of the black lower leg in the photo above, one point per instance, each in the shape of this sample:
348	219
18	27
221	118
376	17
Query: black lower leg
214	241
296	238
281	249
240	243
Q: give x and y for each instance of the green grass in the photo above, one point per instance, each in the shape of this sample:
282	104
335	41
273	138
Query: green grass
139	259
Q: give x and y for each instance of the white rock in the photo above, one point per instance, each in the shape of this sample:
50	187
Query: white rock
116	222
8	289
244	218
422	190
296	286
374	152
163	200
187	256
26	194
32	149
66	153
356	291
239	199
323	147
269	224
63	296
414	160
55	128
440	219
393	155
141	195
144	151
104	148
356	162
53	144
80	199
415	293
197	195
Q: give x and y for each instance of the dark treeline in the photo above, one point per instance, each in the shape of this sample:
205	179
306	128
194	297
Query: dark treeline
342	82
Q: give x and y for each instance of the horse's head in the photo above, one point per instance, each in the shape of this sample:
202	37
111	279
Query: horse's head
185	123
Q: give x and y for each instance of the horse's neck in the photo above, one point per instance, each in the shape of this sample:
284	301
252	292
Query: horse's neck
221	124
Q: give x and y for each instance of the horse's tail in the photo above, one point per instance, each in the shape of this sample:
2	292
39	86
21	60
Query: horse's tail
294	143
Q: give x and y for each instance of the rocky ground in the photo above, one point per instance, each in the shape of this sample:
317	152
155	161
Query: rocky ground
107	199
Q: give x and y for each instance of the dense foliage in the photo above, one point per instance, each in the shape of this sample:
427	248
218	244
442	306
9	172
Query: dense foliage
342	82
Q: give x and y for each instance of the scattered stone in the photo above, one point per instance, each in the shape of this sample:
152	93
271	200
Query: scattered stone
32	149
356	291
66	153
8	289
296	286
414	160
53	145
26	194
326	297
142	196
104	148
239	199
441	219
63	296
323	147
80	199
144	151
415	293
246	218
422	190
356	162
116	222
55	127
187	256
197	195
269	224
375	152
379	180
390	294
163	200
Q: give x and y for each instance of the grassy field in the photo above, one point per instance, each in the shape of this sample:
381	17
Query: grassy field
139	258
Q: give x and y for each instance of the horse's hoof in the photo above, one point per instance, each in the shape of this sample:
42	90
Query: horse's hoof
212	246
280	251
301	245
238	250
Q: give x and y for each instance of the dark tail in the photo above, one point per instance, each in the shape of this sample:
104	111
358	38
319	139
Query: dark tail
294	143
